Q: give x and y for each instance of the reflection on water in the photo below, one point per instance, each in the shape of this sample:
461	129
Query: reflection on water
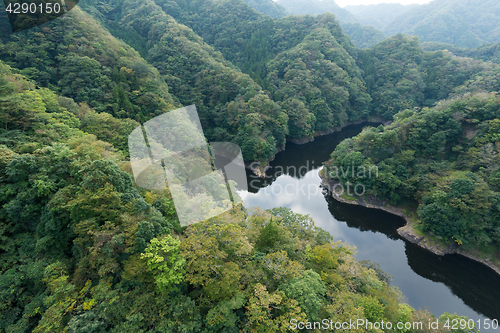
356	217
442	284
474	283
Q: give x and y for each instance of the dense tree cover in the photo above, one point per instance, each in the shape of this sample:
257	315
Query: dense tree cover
84	250
248	39
400	75
300	7
268	7
32	117
378	15
363	36
307	58
319	82
232	106
461	23
488	52
445	158
79	59
65	204
332	88
243	35
92	67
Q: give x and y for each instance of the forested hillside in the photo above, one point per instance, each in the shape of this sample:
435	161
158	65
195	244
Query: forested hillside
363	36
319	75
463	23
268	7
444	159
378	15
83	250
300	7
291	77
231	105
400	75
427	154
326	94
93	67
80	59
488	52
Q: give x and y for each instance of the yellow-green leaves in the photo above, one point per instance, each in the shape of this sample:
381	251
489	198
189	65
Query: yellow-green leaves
164	261
216	255
282	267
271	312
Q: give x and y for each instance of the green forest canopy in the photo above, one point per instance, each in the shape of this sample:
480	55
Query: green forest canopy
445	159
83	249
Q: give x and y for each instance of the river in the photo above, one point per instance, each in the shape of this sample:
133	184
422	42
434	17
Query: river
451	283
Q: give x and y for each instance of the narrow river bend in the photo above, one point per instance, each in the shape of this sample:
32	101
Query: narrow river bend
451	283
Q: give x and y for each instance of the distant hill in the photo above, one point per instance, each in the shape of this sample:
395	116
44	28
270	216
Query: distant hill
85	250
268	7
463	23
301	7
379	15
363	36
488	52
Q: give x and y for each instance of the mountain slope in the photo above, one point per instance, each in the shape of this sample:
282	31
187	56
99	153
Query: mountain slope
443	160
89	65
268	7
363	36
464	23
331	98
320	74
489	52
378	15
232	106
314	7
246	38
80	243
252	41
400	75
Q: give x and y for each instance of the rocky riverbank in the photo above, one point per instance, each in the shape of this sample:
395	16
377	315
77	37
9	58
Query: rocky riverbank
407	231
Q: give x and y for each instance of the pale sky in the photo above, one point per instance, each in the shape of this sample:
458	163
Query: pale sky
343	3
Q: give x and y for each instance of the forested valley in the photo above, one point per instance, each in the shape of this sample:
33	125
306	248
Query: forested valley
85	250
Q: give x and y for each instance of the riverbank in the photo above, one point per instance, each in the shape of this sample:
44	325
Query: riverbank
371	119
260	170
409	232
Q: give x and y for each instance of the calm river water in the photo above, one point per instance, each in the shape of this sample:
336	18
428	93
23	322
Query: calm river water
451	283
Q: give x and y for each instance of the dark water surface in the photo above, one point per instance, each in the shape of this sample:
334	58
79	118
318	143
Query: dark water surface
451	283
